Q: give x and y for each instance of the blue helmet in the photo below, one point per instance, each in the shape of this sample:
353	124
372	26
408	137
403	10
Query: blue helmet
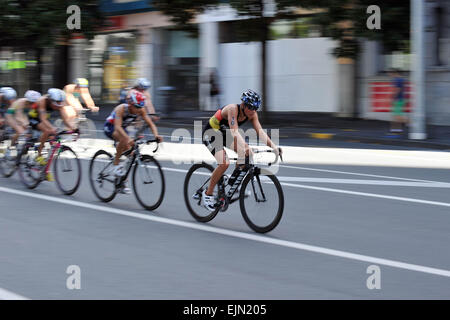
8	93
57	96
142	84
251	99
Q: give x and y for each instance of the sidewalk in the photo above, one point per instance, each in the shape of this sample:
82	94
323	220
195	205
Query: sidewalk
319	126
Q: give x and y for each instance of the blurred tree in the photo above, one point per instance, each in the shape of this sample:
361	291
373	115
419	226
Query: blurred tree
34	25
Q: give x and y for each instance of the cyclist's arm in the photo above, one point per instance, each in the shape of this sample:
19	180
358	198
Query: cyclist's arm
148	103
234	129
43	115
261	133
16	115
87	98
65	119
150	123
71	100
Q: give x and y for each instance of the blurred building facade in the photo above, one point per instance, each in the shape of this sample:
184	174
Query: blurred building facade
303	76
373	65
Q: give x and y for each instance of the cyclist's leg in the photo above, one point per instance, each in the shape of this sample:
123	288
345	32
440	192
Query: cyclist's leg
215	141
45	133
71	113
223	163
17	127
122	145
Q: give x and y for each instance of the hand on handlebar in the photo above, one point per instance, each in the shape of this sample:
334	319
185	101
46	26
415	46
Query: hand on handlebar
159	138
95	109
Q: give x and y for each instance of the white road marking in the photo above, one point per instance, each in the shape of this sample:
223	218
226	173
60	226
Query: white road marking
374	195
8	295
237	234
367	182
354	173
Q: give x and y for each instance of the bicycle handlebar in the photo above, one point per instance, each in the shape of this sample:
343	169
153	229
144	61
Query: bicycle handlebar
277	155
148	141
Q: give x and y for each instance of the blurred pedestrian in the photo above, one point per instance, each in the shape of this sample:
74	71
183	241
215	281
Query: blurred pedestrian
214	89
399	120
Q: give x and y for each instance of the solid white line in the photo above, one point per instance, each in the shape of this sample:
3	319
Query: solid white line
355	173
237	234
367	182
8	295
374	195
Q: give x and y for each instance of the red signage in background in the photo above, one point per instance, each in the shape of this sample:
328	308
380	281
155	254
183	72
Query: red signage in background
381	93
113	23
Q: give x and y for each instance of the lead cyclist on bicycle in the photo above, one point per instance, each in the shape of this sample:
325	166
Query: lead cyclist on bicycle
224	125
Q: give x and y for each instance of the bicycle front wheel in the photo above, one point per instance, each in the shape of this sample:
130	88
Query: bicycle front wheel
262	202
197	180
148	182
67	169
103	181
29	171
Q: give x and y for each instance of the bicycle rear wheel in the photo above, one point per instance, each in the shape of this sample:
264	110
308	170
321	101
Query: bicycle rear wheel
103	181
67	169
148	182
29	171
262	202
197	180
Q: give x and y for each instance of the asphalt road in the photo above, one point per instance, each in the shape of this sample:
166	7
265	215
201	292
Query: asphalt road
338	221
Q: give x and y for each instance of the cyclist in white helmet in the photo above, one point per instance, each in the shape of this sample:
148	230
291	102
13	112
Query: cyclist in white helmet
16	114
74	92
7	97
40	114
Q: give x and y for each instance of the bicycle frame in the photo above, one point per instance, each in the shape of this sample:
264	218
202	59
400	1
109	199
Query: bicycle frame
135	153
55	145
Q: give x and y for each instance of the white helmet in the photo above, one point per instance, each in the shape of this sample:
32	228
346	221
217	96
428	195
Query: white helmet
8	93
57	96
142	84
32	96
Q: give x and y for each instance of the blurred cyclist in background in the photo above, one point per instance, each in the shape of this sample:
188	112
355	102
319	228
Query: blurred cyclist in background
16	115
74	92
123	116
40	113
143	86
7	97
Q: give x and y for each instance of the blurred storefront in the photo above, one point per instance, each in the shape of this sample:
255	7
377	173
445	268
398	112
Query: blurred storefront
112	64
139	42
